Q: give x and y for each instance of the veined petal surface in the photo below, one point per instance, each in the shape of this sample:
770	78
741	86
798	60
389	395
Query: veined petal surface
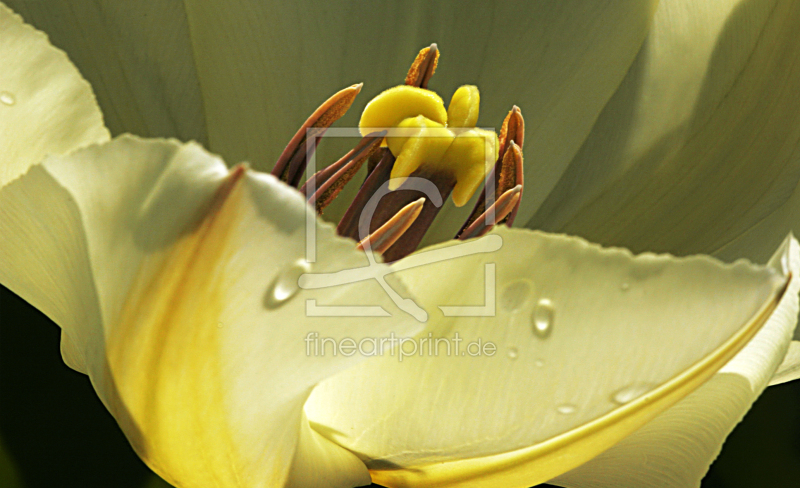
591	344
187	316
675	449
702	139
46	107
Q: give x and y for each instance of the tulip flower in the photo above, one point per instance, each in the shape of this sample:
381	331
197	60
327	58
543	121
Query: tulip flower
182	290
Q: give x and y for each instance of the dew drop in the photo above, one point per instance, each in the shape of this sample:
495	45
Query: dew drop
7	98
542	318
284	286
566	408
630	393
625	286
539	363
513	353
515	295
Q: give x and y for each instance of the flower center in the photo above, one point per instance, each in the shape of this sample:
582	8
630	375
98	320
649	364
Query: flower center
419	155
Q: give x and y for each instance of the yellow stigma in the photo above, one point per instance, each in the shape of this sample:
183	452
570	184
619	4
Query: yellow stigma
399	103
463	109
443	141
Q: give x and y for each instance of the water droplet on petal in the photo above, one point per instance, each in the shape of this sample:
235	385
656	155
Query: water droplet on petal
539	363
7	98
284	286
513	353
625	286
542	318
630	393
515	295
566	408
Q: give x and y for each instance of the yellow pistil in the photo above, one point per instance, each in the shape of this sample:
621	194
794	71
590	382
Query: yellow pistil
442	141
463	109
396	104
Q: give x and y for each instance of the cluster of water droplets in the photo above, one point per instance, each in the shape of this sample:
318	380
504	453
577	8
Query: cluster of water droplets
631	393
516	295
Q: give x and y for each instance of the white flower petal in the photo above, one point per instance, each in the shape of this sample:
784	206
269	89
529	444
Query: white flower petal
137	56
161	267
45	105
652	327
701	140
789	370
675	449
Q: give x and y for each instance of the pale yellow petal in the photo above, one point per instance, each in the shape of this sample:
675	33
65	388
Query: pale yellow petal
789	370
675	449
591	344
138	57
196	341
701	141
46	107
53	275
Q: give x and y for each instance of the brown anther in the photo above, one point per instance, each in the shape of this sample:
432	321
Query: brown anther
507	173
513	129
348	225
507	202
423	67
292	162
387	234
407	192
328	182
511	175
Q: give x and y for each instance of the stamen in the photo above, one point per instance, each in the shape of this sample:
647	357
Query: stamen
508	170
374	159
408	181
328	182
512	174
348	226
292	162
387	234
420	72
423	67
513	129
496	213
412	189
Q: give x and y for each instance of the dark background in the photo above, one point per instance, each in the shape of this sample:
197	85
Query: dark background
56	432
